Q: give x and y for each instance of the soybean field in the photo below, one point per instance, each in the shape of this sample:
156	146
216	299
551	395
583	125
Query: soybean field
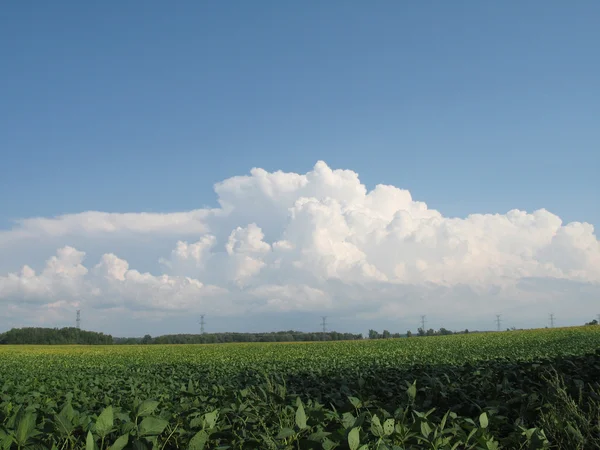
521	389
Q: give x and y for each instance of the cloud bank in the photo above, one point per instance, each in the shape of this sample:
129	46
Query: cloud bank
317	243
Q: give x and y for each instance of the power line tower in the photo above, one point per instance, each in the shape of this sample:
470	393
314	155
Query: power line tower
202	323
551	320
324	323
78	319
423	321
498	321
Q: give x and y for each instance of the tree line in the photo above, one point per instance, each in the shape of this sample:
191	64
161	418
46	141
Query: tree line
54	336
71	335
223	338
373	334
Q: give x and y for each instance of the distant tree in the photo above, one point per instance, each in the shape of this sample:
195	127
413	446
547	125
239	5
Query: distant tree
408	334
593	322
421	332
386	334
431	332
54	336
373	334
466	331
217	338
444	331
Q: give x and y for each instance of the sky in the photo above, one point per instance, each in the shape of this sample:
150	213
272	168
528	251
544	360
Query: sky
268	163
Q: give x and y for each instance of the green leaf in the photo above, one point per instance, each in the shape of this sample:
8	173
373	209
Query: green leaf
5	440
300	416
354	438
318	436
412	391
348	420
388	427
492	445
196	422
328	444
483	420
376	427
89	442
26	429
105	422
64	420
425	429
198	441
356	402
120	443
152	426
210	419
285	433
147	407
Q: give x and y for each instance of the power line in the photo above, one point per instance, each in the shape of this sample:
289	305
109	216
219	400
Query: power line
324	323
551	320
202	323
78	319
498	321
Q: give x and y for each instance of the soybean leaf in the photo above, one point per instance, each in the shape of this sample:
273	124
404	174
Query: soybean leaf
210	419
483	420
301	417
412	391
152	426
120	443
376	427
285	433
105	422
198	441
388	427
89	442
146	408
354	438
26	429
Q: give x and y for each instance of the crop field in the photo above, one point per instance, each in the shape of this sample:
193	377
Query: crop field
520	389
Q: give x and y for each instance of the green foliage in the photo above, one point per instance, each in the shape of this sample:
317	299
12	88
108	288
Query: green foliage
224	338
53	336
518	390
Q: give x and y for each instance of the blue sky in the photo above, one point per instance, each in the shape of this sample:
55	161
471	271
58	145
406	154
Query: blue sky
474	107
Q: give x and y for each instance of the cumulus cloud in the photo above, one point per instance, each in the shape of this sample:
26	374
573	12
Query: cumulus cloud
311	242
95	223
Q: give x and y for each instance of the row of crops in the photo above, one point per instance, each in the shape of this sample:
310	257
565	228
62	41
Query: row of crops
532	389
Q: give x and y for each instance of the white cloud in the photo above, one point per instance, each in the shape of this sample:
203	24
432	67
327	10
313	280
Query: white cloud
194	257
95	223
292	298
310	242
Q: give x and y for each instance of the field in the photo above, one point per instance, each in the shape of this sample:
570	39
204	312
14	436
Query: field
519	389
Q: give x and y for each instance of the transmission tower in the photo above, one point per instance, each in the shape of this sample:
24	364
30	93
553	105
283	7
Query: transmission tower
324	323
498	321
202	323
423	320
551	320
78	319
